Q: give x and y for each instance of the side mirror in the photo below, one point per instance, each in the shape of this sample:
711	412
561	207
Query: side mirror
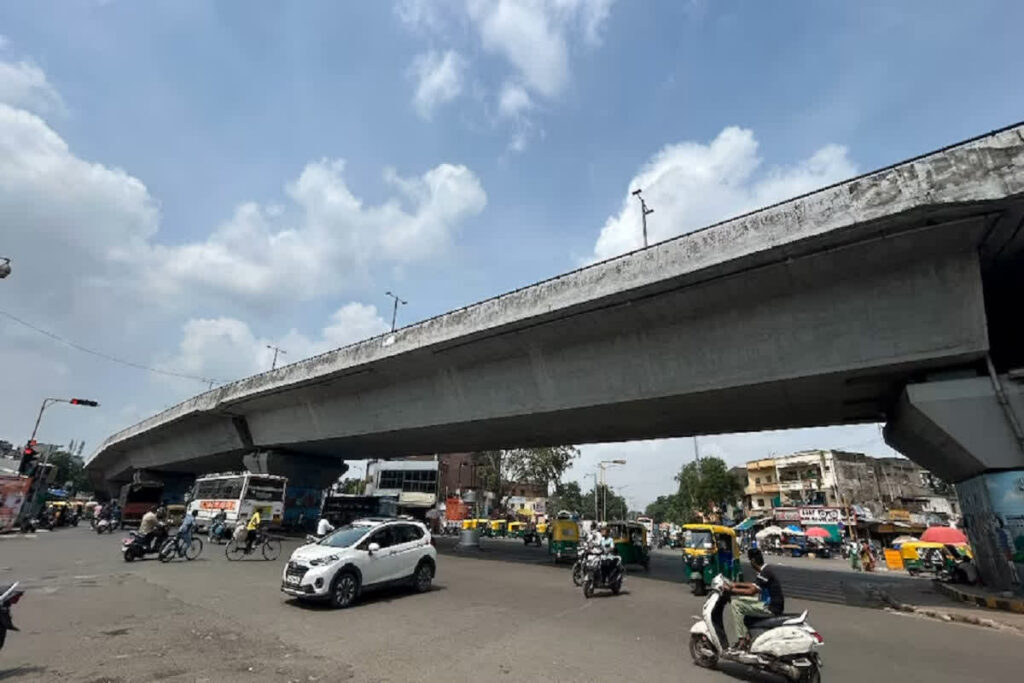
372	548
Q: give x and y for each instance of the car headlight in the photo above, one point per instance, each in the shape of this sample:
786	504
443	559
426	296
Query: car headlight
323	560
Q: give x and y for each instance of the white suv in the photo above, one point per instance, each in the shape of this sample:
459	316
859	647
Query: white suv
367	553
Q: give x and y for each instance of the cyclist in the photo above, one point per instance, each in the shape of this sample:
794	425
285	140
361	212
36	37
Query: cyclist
252	529
185	532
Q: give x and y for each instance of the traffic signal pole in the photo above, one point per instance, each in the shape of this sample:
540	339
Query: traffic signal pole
49	401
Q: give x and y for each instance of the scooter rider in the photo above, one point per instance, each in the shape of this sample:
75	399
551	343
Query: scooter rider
762	598
147	527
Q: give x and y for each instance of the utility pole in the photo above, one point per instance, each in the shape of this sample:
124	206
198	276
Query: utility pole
273	364
394	311
644	211
604	487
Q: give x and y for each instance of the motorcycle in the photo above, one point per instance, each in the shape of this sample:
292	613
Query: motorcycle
220	532
9	595
597	575
579	565
135	547
104	526
531	536
785	644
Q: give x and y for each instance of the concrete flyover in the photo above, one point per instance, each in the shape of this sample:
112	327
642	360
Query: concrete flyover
835	307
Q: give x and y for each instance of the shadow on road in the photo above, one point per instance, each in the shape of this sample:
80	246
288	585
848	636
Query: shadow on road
371	597
19	671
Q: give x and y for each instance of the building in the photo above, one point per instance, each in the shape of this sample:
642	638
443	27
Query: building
841	479
412	483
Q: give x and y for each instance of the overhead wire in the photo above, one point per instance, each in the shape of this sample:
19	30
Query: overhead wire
107	356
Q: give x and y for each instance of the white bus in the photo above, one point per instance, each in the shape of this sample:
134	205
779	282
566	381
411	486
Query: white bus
238	494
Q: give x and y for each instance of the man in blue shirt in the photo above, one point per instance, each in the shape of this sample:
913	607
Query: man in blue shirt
185	532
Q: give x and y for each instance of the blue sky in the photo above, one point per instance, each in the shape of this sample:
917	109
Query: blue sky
182	183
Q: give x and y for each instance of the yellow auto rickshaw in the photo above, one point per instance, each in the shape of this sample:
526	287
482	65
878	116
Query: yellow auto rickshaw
468	524
542	528
516	529
496	528
631	543
923	556
710	550
564	539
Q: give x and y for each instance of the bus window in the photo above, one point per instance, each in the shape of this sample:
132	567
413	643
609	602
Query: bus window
207	489
265	490
230	488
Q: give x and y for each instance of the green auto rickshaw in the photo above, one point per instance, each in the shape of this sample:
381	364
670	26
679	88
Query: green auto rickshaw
564	539
516	529
631	543
710	550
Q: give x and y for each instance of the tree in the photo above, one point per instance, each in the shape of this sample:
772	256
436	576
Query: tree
70	472
611	507
495	475
351	486
664	509
567	497
541	466
705	486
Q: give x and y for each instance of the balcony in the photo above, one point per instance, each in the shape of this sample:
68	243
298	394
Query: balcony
764	489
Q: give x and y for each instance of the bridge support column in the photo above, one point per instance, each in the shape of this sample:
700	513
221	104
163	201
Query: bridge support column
969	431
308	476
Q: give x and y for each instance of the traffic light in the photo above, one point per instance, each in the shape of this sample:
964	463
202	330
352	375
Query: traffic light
83	402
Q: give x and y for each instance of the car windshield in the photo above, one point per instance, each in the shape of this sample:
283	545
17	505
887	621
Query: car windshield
345	536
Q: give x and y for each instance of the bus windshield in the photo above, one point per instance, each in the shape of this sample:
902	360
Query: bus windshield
265	489
219	488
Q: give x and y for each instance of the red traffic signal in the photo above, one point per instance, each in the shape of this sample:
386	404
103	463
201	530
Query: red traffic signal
83	402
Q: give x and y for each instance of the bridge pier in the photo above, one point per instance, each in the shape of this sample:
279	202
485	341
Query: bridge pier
968	430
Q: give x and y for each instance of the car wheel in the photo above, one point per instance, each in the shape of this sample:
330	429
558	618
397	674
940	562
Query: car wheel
423	576
344	589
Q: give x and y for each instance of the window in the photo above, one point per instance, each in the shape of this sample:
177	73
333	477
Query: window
344	536
760	502
757	480
407	533
390	479
264	489
206	489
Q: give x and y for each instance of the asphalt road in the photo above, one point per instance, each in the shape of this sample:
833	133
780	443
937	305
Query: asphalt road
90	618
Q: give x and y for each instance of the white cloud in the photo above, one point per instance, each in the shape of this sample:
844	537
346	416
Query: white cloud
438	80
327	239
227	349
514	100
691	185
24	85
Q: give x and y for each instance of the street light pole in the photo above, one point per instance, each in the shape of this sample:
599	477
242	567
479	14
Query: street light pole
394	312
604	487
644	211
273	364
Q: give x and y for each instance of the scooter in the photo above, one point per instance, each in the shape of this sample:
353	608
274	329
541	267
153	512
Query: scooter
9	595
596	576
579	565
134	547
104	526
785	645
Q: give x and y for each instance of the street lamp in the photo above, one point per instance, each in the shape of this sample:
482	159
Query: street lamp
604	488
5	267
394	312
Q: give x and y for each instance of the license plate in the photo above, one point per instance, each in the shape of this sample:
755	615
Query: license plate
293	580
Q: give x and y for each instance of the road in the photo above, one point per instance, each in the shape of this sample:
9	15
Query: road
90	618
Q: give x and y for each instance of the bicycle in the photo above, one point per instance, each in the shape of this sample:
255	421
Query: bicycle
269	546
174	546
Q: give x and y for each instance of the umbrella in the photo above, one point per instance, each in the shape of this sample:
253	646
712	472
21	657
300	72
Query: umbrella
768	531
943	534
818	532
900	540
794	530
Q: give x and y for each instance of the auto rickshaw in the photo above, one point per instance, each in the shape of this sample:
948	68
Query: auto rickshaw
496	528
922	556
542	528
478	524
176	513
564	539
516	529
631	543
710	550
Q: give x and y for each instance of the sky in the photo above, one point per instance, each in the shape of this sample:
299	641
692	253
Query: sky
184	183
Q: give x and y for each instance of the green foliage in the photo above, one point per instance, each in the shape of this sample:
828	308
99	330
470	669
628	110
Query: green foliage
609	508
568	496
70	472
540	466
702	488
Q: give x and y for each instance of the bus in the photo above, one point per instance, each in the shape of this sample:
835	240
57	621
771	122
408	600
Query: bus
238	494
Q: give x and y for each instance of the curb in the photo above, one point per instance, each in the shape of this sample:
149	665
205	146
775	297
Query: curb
1005	604
897	606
